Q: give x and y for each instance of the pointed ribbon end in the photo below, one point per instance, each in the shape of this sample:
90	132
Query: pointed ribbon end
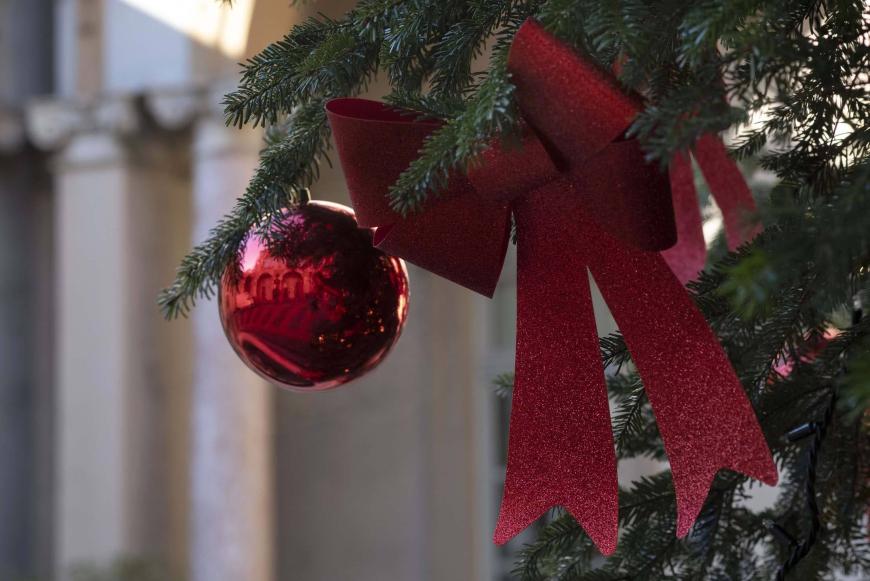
516	514
601	521
692	490
762	468
691	495
605	538
604	532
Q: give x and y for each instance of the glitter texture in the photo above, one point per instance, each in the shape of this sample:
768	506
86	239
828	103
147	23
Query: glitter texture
582	200
688	256
731	193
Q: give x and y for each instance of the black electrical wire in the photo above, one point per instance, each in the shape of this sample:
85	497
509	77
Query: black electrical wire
818	430
803	548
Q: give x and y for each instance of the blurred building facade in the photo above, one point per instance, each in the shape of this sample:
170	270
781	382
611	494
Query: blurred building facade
123	435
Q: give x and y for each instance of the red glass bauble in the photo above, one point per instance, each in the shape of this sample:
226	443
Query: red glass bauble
320	306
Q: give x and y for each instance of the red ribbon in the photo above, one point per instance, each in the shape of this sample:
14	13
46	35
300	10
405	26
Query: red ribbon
731	193
583	201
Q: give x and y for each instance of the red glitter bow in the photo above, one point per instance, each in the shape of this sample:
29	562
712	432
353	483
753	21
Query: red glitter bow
583	201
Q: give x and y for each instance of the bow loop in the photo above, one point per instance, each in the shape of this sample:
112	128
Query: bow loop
577	107
581	130
399	139
478	226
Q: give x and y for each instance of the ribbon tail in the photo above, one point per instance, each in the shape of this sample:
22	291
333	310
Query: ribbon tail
560	448
704	416
688	256
729	188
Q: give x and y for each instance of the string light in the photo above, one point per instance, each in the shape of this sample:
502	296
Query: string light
818	430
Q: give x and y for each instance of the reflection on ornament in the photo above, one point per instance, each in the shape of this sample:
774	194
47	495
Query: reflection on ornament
319	308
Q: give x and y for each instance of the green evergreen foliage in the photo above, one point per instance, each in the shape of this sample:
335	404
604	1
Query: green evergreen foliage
795	73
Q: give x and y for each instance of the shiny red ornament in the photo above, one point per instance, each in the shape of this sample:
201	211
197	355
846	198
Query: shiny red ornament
318	308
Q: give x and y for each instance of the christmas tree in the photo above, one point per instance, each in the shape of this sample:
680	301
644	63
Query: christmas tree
788	80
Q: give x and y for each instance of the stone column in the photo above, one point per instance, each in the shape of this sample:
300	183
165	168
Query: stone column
120	207
93	351
23	353
24	281
231	525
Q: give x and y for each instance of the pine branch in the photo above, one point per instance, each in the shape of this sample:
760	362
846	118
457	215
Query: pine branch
308	61
628	417
319	59
490	112
286	167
